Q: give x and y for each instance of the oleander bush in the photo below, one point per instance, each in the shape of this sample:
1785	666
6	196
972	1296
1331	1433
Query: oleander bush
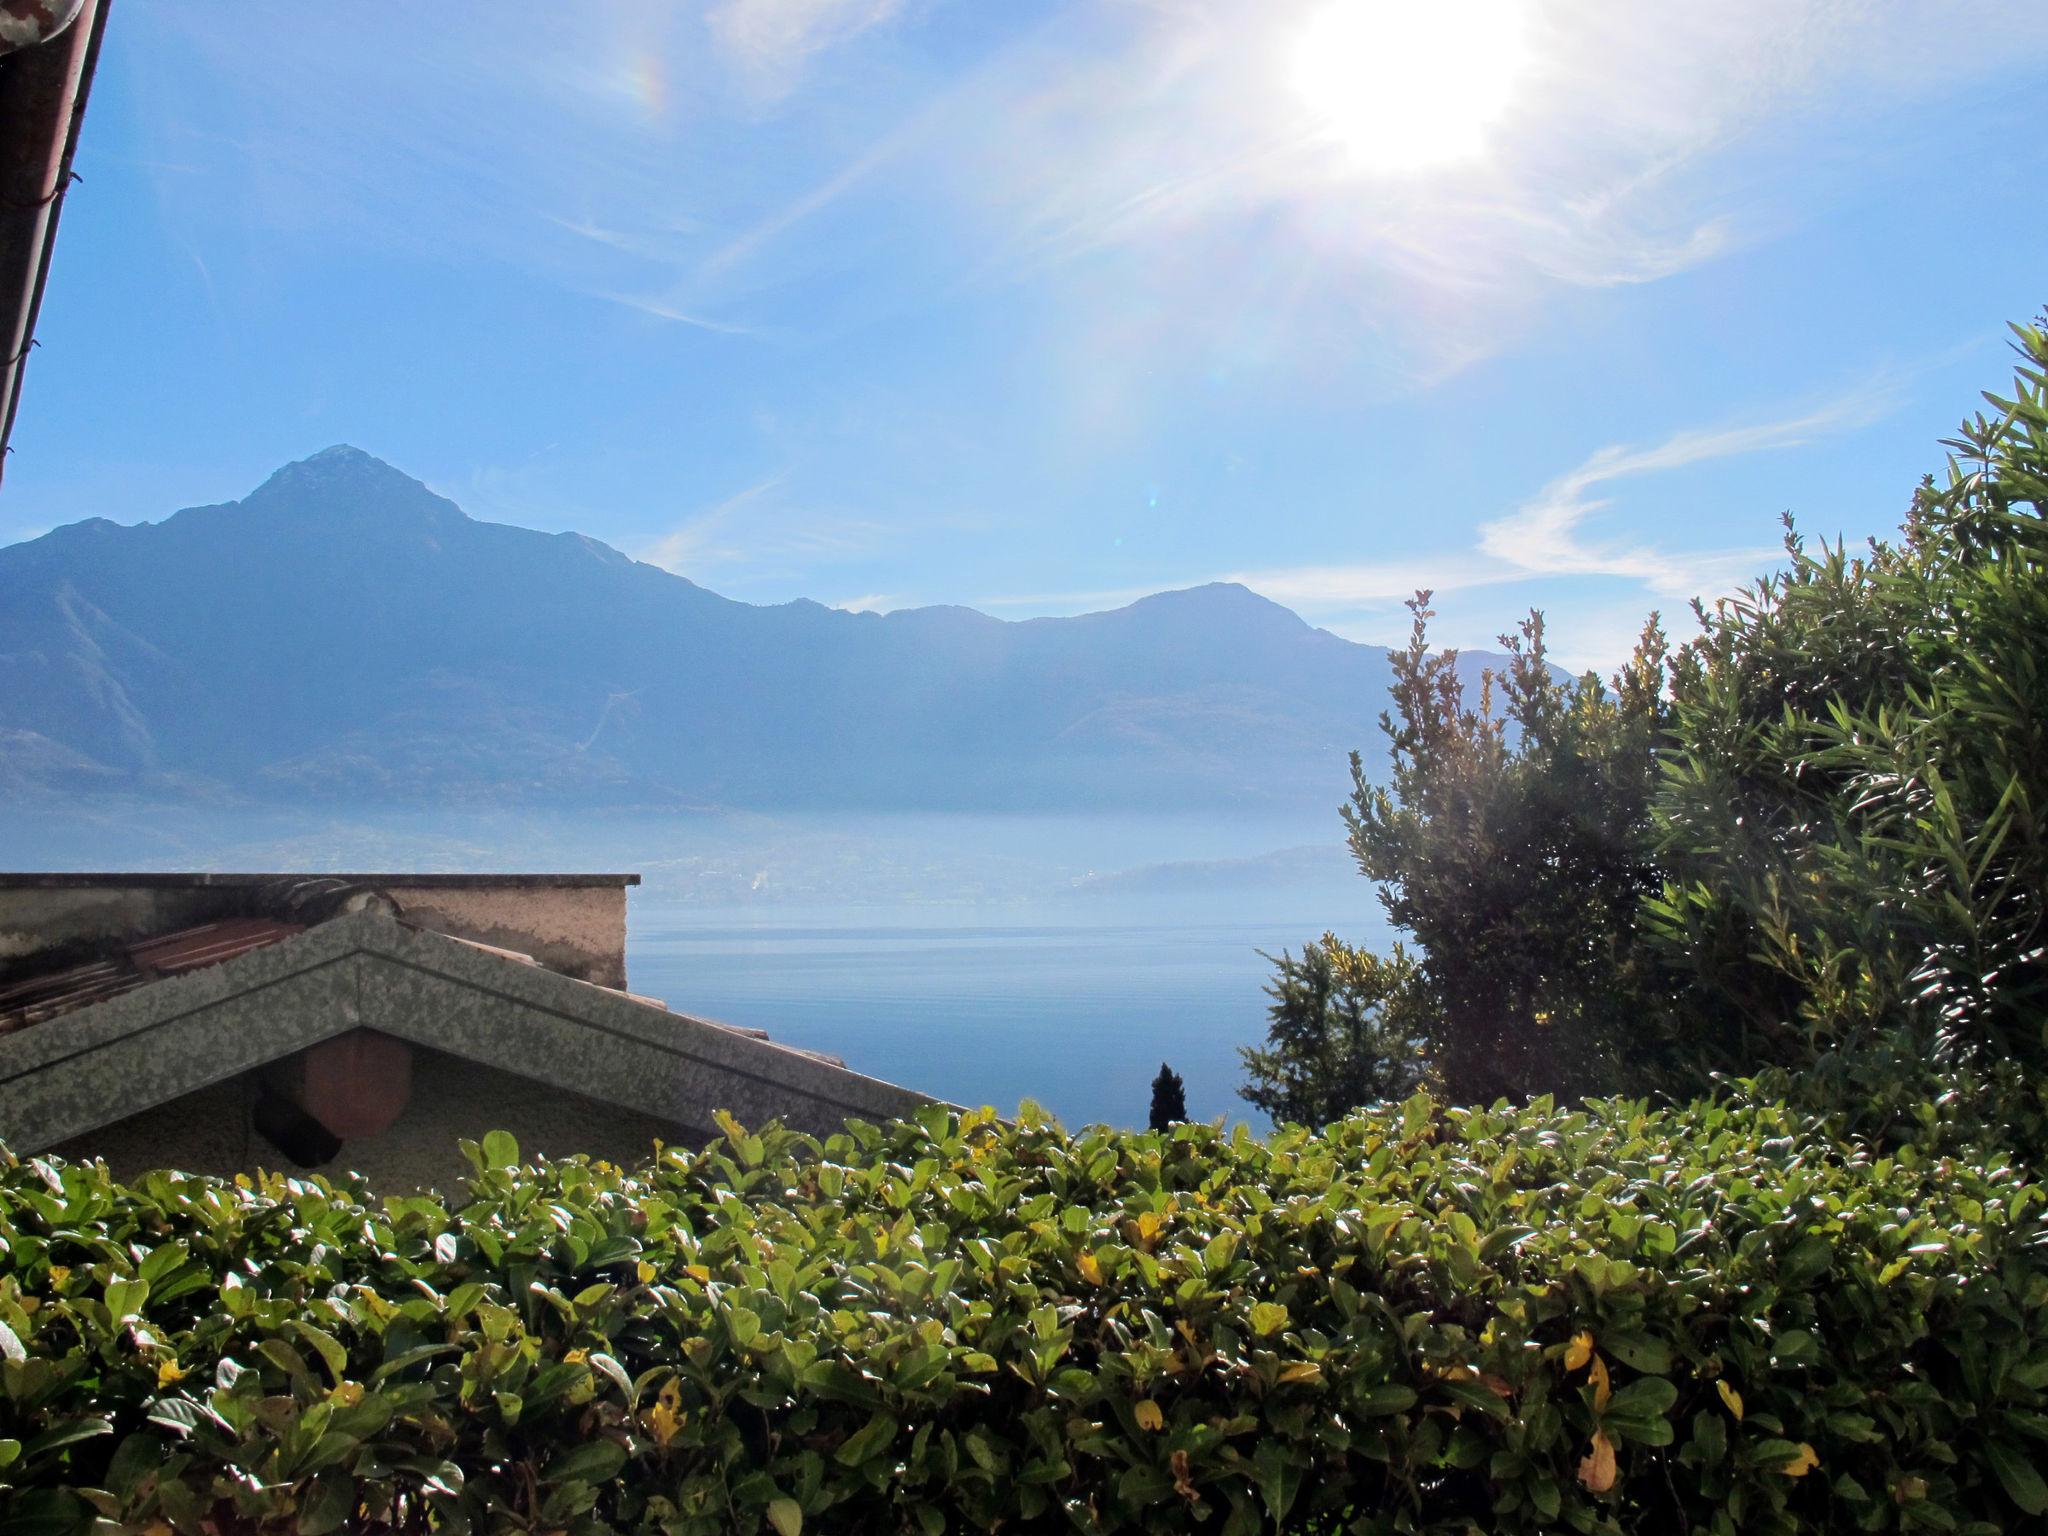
1811	838
1716	1319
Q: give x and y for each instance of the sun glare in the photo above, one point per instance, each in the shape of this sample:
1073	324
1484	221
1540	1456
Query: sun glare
1403	85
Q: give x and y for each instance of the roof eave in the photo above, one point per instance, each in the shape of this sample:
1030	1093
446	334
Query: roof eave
43	91
88	1069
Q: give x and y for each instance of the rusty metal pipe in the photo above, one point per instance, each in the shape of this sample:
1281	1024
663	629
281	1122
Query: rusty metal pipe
43	90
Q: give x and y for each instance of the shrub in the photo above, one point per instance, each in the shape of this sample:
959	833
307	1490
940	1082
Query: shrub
1855	811
1419	1321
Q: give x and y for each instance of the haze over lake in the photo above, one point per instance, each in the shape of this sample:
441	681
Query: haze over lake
1075	1017
982	959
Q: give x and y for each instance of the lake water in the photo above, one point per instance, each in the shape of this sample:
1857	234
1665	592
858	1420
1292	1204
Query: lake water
1076	1015
981	959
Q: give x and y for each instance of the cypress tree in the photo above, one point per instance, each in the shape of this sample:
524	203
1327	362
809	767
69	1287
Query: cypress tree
1169	1099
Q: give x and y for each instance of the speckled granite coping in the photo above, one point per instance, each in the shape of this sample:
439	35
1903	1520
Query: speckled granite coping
87	1069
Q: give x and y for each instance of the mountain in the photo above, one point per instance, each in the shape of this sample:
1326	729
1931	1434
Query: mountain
343	635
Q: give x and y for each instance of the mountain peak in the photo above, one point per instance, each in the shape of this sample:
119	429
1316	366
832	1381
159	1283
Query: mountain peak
1218	599
345	479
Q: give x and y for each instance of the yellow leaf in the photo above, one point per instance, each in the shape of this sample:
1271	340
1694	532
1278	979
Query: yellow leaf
1803	1463
1149	1416
1596	1470
646	1272
1301	1370
1091	1270
666	1416
576	1357
169	1371
697	1271
1732	1398
786	1515
1601	1391
1578	1352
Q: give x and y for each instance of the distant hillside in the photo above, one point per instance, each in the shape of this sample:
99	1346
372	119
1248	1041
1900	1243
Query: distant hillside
345	636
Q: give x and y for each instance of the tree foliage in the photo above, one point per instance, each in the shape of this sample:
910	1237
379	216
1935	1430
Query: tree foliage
1813	839
1169	1099
1345	1029
1511	842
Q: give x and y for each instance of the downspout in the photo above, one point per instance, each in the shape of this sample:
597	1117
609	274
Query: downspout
48	49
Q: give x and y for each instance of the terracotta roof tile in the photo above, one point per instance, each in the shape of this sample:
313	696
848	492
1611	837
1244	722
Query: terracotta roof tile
208	944
35	999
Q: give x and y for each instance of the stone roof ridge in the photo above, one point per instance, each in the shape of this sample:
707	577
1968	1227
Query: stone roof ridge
209	1003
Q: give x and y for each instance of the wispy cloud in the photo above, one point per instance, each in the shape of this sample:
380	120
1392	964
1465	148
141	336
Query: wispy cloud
1073	602
1147	165
781	220
771	40
751	533
873	602
662	310
1322	589
1161	166
702	539
1545	537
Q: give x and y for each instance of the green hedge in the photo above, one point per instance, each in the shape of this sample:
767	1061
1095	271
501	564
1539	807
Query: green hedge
1611	1320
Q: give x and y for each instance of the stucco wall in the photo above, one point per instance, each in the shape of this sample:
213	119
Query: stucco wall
212	1131
577	930
33	920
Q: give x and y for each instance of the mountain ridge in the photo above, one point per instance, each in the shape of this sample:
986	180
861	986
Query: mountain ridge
345	633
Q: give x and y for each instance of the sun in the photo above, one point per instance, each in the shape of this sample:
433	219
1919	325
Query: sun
1406	85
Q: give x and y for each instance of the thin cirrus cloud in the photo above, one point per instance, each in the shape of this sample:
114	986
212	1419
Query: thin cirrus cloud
771	40
1629	153
752	536
707	538
1546	536
1147	165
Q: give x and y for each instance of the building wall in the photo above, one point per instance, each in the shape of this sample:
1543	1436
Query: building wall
577	930
34	919
213	1130
567	925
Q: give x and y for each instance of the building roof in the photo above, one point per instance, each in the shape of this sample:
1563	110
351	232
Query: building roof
177	1012
48	52
65	880
39	997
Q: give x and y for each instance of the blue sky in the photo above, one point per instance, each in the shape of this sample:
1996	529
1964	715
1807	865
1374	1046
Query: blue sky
1037	306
